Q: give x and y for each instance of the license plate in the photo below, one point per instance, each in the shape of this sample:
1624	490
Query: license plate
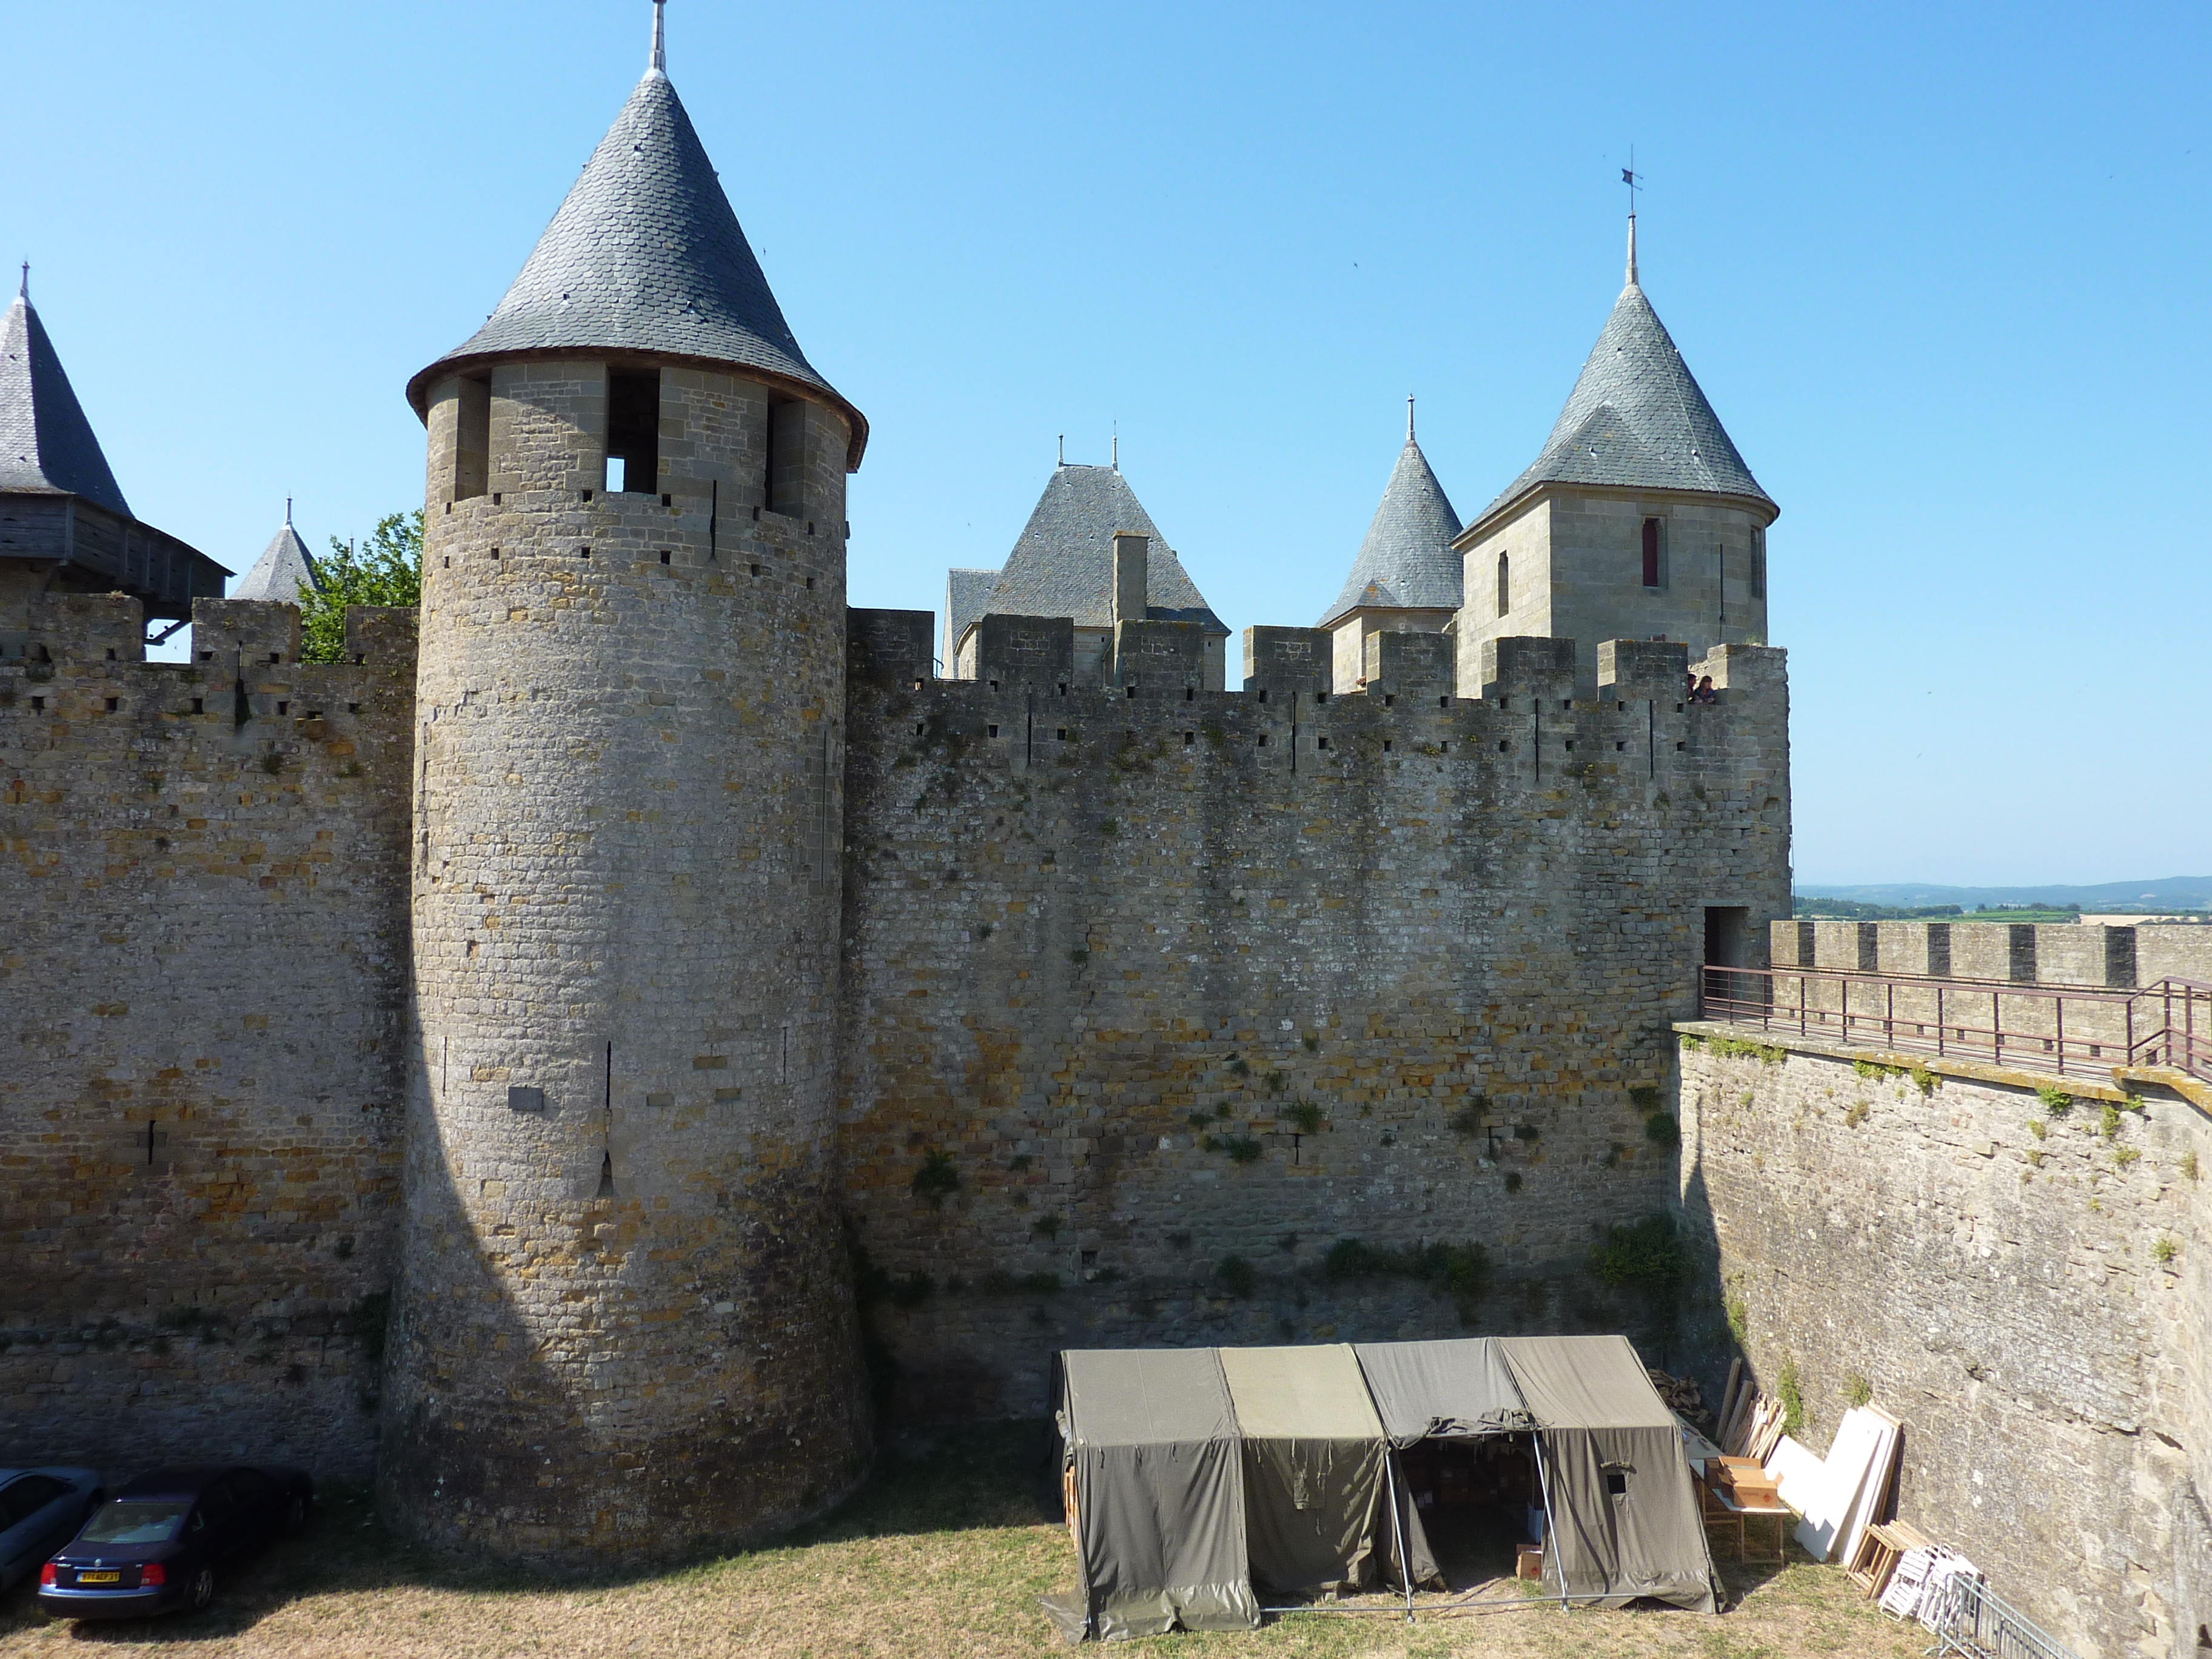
100	1578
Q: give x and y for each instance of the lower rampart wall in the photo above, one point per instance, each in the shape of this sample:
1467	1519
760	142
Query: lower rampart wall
203	974
2027	1288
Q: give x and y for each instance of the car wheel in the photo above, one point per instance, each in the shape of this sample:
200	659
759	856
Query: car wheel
203	1588
295	1516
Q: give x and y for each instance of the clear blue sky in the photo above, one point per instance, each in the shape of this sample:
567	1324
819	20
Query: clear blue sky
1942	271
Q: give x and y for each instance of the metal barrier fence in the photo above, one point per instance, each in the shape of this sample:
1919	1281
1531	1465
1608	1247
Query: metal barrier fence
1970	1618
2070	1031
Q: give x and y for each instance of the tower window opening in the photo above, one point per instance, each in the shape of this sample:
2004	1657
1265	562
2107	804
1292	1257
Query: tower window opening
1758	564
1504	583
1654	553
784	461
472	439
633	432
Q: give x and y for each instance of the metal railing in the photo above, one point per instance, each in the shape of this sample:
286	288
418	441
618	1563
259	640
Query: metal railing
1968	1617
2072	1030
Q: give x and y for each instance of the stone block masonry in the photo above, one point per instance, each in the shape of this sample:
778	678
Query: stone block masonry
204	968
1135	984
2025	1283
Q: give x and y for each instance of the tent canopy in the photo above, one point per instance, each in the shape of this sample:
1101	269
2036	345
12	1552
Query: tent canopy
1453	1390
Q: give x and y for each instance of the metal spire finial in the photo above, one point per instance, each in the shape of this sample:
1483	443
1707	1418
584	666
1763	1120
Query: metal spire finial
1634	181
23	292
659	63
1409	417
1063	449
288	513
1117	446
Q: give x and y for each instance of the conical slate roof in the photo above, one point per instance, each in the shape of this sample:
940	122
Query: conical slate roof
1636	418
1063	563
1407	561
285	566
646	255
46	445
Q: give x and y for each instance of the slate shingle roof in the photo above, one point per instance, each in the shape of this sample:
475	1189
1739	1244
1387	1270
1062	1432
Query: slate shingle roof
46	445
646	255
1063	563
1406	562
284	565
1636	418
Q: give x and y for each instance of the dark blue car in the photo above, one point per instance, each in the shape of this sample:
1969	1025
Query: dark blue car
40	1510
159	1544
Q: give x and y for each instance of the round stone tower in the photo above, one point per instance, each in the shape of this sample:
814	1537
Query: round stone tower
625	1328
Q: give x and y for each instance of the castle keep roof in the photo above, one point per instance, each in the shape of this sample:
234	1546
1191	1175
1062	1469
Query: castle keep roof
646	255
1405	562
284	568
46	445
1063	563
60	506
1636	418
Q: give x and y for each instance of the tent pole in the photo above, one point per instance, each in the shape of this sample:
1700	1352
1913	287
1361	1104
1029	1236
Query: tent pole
1551	1521
1397	1528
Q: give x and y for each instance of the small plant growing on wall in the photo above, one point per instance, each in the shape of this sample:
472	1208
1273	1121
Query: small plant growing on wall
2108	1120
1512	1181
1046	1227
1019	1162
1236	1276
2163	1252
936	1180
1660	1129
2189	1164
1857	1391
1528	1134
1644	1097
1199	1121
1313	1043
1856	1113
1241	1149
1179	1240
1276	1082
1790	1391
1305	1118
1465	1122
1924	1079
1239	1067
2056	1101
2037	1128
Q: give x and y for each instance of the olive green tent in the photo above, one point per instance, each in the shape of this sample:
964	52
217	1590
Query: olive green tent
1625	1520
1192	1473
1316	1468
1155	1483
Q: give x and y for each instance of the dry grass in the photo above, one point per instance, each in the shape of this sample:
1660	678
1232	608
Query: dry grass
945	1553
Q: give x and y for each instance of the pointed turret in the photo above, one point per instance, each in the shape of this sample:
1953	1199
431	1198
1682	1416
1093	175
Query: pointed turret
1405	579
46	445
1638	519
64	524
647	255
284	568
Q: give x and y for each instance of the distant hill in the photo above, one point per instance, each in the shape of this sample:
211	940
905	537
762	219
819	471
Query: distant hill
2169	892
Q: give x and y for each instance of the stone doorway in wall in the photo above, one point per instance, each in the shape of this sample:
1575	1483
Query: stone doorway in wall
1728	940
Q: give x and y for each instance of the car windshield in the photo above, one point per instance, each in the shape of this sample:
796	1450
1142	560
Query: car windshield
132	1520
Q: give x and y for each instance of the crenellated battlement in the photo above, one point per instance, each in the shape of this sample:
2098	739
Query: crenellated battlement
1026	709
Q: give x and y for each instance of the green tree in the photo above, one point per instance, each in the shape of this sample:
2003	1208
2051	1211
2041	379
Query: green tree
387	568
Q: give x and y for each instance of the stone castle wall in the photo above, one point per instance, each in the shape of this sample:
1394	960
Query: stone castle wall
2026	1289
1137	983
203	968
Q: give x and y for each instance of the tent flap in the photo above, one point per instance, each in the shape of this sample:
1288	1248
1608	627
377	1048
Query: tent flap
1314	1466
1449	1390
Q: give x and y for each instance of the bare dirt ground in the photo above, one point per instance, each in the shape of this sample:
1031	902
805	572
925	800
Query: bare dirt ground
945	1553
